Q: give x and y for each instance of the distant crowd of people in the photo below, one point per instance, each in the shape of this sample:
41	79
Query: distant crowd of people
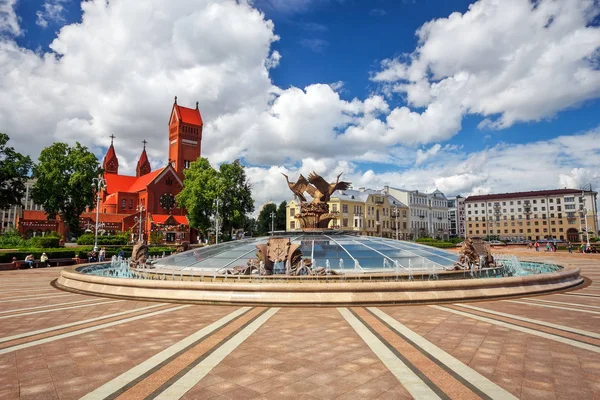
551	247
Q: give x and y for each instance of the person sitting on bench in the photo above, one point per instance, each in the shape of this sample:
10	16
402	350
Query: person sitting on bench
44	260
29	260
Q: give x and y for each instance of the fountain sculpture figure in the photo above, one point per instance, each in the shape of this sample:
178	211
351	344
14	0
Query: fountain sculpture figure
315	215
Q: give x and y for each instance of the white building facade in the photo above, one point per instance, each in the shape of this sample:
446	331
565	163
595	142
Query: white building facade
428	212
456	216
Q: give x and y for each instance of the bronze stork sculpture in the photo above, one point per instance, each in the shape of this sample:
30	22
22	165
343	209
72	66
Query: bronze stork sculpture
315	215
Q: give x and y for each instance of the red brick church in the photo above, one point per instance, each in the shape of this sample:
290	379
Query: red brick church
151	190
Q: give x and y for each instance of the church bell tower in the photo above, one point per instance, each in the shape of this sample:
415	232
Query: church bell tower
185	136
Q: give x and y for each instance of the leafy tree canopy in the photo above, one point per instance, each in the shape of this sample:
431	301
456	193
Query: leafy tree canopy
64	182
14	171
203	185
264	218
280	219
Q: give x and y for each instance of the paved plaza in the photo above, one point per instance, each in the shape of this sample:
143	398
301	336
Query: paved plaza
61	345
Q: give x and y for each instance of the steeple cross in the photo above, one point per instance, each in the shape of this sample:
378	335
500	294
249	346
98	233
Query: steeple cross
112	137
144	141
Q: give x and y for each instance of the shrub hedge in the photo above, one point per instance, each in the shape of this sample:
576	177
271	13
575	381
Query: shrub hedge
441	245
43	242
6	257
88	238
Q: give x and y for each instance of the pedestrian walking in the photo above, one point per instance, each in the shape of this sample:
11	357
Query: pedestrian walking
537	246
570	247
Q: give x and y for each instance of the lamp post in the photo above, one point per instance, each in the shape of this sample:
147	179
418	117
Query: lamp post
141	209
583	212
272	222
217	221
97	184
396	222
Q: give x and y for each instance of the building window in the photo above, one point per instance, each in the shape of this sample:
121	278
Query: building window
292	224
186	163
334	207
123	204
345	209
130	204
292	212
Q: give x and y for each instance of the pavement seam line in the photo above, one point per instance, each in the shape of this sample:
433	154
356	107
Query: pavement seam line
534	321
47	305
565	303
482	383
551	306
89	329
198	372
411	382
139	370
545	335
71	324
58	309
26	298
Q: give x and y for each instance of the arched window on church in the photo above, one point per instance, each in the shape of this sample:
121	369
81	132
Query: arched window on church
130	204
124	204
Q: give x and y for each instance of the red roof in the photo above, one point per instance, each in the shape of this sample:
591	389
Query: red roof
535	193
161	218
129	184
189	115
143	181
110	199
110	154
37	215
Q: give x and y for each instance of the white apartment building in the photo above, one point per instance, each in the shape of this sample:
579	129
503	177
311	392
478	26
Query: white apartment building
8	217
456	216
428	212
563	214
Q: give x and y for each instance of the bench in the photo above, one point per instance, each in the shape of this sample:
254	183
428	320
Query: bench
54	262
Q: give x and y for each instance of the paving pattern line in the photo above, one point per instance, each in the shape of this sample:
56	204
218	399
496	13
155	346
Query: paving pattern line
27	298
181	386
561	302
550	306
469	375
30	289
140	370
167	374
578	294
533	321
89	329
72	324
48	305
411	381
58	309
519	328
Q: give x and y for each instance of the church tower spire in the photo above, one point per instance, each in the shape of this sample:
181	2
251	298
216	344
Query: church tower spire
185	136
143	165
111	162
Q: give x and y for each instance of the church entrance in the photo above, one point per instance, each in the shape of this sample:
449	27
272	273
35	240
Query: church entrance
170	237
572	235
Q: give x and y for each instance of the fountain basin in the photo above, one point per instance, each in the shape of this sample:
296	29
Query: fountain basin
351	289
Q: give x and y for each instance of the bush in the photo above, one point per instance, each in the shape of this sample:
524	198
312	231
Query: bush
441	245
88	239
51	253
425	240
43	242
12	239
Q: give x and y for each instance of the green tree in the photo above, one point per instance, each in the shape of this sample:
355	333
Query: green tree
14	170
203	185
280	218
235	195
200	189
64	182
264	218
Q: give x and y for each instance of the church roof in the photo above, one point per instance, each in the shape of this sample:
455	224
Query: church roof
107	218
110	153
162	218
189	115
130	184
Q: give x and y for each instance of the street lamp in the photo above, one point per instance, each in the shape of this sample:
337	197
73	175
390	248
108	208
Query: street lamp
97	184
217	221
583	213
141	209
272	222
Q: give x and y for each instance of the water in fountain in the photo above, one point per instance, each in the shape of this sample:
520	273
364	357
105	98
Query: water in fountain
327	267
288	267
356	266
410	273
397	268
341	265
386	263
261	268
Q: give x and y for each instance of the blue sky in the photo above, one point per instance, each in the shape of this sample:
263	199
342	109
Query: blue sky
465	96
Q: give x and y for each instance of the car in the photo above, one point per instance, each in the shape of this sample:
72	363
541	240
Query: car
496	243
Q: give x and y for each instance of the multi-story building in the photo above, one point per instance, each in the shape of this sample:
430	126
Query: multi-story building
428	212
456	216
365	211
562	214
8	217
